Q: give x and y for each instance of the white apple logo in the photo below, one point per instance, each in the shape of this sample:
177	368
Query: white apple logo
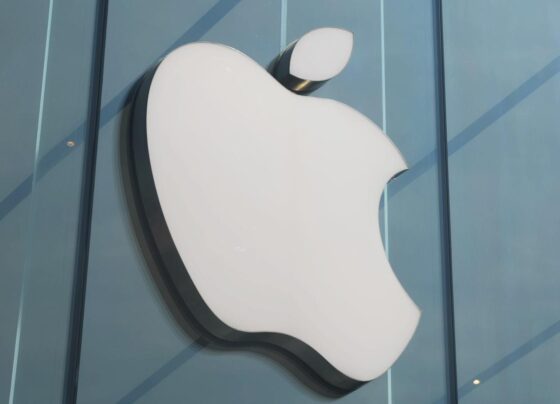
266	215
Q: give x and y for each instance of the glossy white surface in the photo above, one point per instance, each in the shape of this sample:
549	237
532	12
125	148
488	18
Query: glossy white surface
321	54
272	201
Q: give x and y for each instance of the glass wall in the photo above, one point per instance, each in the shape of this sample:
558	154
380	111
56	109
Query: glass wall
45	86
501	60
503	95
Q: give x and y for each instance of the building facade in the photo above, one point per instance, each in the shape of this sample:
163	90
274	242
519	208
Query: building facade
468	91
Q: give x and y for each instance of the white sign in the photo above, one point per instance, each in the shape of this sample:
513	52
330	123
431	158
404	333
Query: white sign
263	206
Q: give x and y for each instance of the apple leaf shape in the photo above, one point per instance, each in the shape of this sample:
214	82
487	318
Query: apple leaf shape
309	62
262	206
321	54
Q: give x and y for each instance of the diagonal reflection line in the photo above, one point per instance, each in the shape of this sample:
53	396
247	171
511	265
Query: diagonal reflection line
483	122
507	360
111	109
155	378
512	357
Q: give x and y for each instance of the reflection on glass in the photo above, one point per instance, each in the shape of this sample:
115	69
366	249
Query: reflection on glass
502	103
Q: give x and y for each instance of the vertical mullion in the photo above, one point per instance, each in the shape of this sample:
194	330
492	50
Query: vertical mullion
443	173
283	23
386	190
86	204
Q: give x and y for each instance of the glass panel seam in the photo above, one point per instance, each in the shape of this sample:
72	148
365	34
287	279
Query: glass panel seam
443	174
86	205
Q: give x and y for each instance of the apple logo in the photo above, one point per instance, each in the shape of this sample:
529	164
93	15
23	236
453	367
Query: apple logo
262	205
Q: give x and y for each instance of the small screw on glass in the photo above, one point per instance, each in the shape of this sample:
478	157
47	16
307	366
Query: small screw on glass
70	143
476	382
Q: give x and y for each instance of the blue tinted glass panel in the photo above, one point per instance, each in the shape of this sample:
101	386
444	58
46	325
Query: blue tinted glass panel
45	75
502	64
22	45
